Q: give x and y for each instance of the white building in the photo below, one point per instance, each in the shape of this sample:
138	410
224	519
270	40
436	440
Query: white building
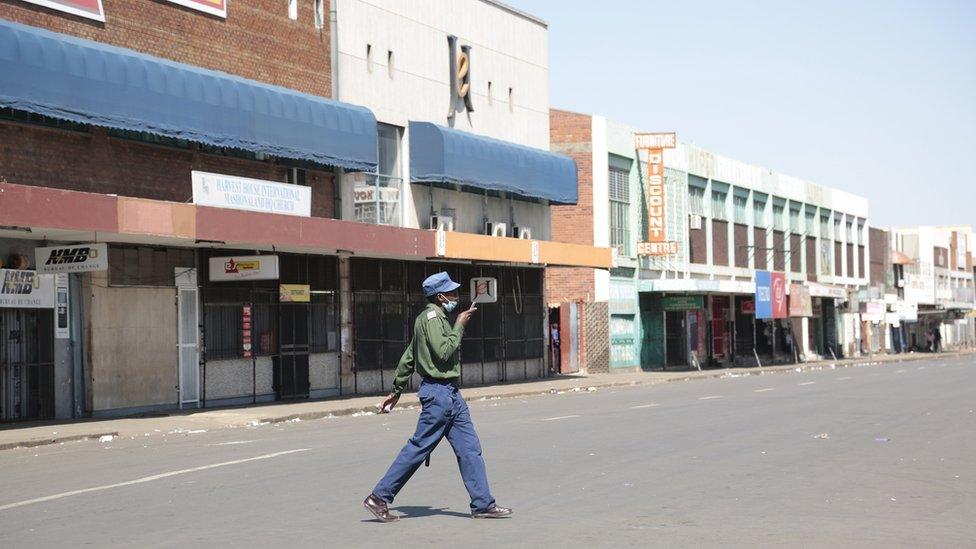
938	282
394	57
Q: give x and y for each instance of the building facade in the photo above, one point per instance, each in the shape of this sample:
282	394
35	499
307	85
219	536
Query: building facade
211	198
728	221
934	285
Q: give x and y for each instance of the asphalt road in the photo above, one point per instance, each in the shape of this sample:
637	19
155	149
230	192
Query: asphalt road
880	456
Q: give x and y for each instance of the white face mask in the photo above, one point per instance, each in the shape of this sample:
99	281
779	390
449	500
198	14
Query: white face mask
450	305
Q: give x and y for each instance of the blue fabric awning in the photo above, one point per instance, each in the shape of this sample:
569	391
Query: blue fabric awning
92	83
445	155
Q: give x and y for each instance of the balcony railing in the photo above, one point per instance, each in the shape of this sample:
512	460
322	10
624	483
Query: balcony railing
377	198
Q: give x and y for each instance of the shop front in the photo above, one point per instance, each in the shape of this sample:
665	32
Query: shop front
38	328
505	340
823	327
26	345
270	327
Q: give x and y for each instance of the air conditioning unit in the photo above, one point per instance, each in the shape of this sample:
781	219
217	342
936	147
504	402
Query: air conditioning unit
695	221
496	229
442	223
523	233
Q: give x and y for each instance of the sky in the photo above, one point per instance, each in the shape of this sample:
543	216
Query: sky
874	97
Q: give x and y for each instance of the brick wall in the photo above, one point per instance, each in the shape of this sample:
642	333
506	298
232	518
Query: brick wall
94	162
257	40
571	134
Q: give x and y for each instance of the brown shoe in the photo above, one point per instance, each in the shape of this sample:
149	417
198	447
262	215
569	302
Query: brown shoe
494	512
379	509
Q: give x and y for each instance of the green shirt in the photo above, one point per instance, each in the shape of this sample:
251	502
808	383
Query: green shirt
433	350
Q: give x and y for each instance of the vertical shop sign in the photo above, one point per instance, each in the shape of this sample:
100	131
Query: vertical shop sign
777	284
246	347
654	191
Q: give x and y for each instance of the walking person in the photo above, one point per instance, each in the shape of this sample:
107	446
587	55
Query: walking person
433	353
937	339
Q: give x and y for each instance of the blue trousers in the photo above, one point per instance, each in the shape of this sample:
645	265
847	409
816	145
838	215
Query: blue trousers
444	414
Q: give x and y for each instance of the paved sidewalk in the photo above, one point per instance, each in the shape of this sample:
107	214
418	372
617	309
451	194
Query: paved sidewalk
184	423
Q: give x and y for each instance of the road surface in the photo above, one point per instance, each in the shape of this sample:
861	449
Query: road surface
871	456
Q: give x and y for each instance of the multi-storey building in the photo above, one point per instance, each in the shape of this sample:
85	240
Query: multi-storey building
236	235
728	220
935	284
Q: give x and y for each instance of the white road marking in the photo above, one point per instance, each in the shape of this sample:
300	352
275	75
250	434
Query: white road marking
921	368
709	397
231	443
643	406
145	479
557	417
845	378
899	371
763	390
808	383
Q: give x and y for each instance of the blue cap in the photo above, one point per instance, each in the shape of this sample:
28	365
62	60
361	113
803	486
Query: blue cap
439	283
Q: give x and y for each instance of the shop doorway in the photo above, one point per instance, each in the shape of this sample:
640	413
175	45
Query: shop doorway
290	365
26	364
188	336
676	342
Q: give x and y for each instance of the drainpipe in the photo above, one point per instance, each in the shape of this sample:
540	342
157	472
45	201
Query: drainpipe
334	48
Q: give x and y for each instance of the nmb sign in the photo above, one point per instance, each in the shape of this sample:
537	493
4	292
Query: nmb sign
654	144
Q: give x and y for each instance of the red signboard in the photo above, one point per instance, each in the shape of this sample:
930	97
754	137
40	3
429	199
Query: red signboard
777	283
748	307
213	7
90	9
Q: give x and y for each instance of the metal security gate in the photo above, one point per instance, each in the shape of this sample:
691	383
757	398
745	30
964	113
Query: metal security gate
188	336
26	364
291	379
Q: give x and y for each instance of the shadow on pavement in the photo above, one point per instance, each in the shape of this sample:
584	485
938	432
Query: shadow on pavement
418	511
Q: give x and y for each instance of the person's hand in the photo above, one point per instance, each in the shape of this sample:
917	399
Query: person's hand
465	316
387	405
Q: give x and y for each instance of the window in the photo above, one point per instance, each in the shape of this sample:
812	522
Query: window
850	233
779	223
296	176
511	100
759	214
619	193
147	265
739	207
824	226
489	92
319	14
718	205
389	63
795	221
293	9
696	200
811	227
369	58
377	196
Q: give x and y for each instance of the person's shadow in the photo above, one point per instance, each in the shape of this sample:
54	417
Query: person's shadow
417	511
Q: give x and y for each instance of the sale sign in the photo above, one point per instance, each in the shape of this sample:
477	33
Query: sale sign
654	144
89	9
